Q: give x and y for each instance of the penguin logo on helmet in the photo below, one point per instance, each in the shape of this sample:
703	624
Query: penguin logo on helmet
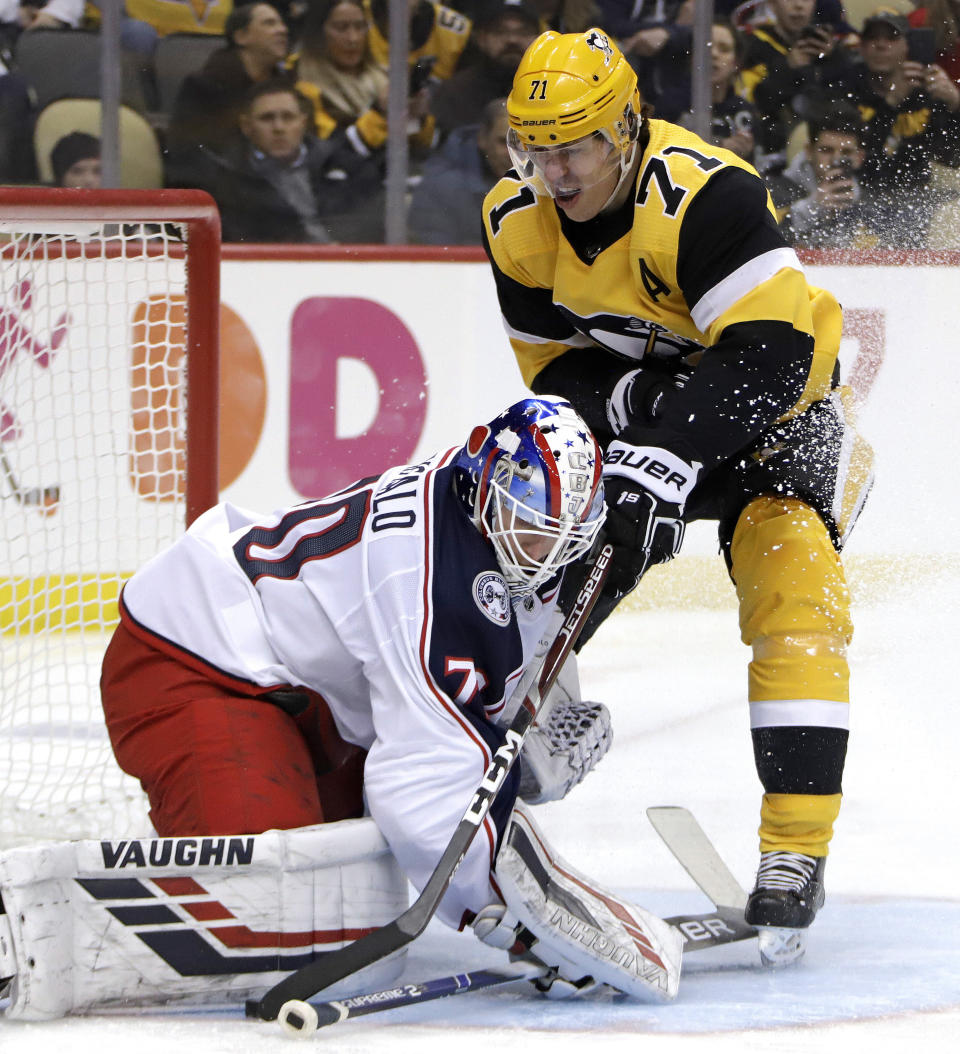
600	42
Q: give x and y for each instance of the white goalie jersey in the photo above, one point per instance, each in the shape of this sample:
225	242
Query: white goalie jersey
387	601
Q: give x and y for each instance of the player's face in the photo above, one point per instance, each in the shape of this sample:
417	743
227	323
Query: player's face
529	544
345	36
580	176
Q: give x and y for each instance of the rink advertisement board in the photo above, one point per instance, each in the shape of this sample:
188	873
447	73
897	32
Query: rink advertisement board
336	362
368	361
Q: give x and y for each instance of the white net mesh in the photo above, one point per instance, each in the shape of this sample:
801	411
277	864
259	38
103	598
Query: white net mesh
92	343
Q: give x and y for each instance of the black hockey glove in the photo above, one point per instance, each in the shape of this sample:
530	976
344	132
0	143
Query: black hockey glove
645	486
640	397
646	489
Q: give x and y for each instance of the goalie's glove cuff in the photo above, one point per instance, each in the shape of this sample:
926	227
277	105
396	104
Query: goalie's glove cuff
562	747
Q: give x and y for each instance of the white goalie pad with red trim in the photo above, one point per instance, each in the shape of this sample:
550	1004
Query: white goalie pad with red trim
199	921
581	928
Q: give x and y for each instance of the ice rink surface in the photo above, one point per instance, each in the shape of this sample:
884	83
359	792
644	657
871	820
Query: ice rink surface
882	972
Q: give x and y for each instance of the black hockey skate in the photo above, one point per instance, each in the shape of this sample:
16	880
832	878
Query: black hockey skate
785	900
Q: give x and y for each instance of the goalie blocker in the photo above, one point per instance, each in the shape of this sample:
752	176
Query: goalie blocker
200	921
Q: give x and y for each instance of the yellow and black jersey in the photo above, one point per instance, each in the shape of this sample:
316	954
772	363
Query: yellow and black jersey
694	262
181	16
765	49
442	36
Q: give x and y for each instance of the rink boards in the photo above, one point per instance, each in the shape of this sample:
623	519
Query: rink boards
337	362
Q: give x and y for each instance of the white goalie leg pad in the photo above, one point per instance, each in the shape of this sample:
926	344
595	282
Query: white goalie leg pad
8	961
580	927
195	921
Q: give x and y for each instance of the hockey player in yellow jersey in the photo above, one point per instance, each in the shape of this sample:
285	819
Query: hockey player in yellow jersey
641	274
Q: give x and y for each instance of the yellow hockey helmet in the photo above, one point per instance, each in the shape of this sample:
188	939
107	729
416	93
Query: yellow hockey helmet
570	86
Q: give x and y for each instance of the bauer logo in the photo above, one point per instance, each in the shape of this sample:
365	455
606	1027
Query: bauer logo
493	599
704	931
180	852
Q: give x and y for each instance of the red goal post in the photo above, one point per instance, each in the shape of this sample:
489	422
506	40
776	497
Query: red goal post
109	346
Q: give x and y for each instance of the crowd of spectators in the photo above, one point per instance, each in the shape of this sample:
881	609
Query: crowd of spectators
851	112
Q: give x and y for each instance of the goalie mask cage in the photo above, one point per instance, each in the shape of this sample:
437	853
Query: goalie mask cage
109	310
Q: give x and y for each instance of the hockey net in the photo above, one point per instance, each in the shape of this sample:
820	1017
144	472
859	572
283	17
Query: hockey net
109	307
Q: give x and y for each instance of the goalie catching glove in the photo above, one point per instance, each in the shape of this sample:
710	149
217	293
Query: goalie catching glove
587	935
567	740
562	747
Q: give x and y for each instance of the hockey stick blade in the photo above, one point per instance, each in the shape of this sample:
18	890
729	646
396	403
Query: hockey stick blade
334	966
685	838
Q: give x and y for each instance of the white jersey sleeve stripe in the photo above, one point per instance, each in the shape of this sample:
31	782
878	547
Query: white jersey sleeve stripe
743	280
802	713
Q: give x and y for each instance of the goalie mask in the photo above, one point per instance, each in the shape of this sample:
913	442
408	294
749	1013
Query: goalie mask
530	482
575	113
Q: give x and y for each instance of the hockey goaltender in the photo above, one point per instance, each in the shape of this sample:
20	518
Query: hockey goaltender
310	700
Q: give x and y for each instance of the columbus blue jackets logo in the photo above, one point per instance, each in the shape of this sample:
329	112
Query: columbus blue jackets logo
493	599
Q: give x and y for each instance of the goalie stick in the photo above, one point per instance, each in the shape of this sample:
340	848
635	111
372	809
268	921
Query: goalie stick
334	966
685	839
44	499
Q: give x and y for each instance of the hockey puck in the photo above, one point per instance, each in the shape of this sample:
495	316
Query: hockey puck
298	1018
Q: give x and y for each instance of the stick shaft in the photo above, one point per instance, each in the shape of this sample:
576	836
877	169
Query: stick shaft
414	994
